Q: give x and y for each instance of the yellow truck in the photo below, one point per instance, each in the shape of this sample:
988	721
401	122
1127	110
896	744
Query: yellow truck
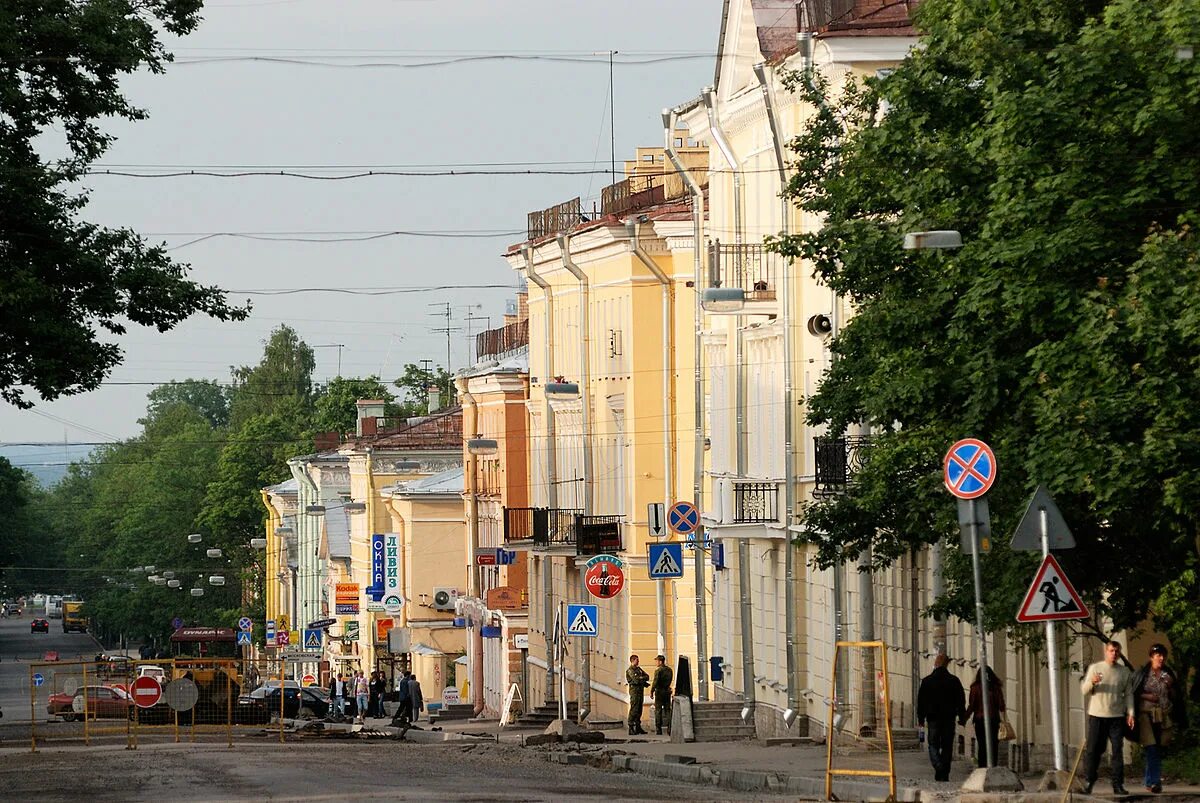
73	619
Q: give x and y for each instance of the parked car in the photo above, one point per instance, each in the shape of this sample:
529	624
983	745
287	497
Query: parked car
39	626
103	702
262	705
12	609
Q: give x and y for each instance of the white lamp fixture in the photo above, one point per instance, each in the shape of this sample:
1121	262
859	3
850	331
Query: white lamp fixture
723	300
213	553
197	592
195	538
315	510
216	580
408	465
258	543
354	507
562	391
149	569
173	583
483	446
168	575
284	530
160	581
927	240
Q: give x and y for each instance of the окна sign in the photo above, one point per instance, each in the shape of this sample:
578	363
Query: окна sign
604	576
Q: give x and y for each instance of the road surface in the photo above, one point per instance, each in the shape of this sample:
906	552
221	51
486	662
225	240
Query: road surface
19	647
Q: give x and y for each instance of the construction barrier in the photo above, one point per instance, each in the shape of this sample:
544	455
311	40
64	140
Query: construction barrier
859	743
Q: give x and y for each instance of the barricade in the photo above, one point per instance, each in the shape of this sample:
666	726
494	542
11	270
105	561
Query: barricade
79	700
859	743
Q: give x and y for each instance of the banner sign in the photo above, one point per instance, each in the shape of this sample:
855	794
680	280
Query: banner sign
346	599
378	564
391	573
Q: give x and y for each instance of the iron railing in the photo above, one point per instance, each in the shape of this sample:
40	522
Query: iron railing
749	266
597	535
755	502
502	341
555	219
520	523
836	461
556	528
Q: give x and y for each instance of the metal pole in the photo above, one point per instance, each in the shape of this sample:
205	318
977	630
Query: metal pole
983	656
1052	659
562	660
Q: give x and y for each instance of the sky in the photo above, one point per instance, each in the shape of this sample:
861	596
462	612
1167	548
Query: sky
244	93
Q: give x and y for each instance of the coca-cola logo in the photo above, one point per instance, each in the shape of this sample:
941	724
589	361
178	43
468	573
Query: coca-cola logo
604	580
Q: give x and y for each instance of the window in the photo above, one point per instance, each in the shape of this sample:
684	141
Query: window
678	142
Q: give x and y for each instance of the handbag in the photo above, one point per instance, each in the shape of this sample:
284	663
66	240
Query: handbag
1007	731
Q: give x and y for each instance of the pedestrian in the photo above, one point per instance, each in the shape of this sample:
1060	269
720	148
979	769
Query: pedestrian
375	706
1159	709
660	691
403	713
637	680
416	702
1108	689
995	710
939	705
337	690
362	693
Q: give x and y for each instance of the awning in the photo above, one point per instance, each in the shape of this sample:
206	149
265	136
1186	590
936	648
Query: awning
425	649
462	660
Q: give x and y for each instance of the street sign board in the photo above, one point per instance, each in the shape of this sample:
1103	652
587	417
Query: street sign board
683	518
378	550
243	638
983	524
270	631
969	468
665	560
283	638
351	631
656	518
321	624
1051	597
244	624
487	556
392	601
604	576
38	678
176	623
346	596
312	639
581	620
181	694
309	680
145	692
1028	537
690	543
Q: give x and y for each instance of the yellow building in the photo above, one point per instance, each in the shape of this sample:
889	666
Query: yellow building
281	560
611	327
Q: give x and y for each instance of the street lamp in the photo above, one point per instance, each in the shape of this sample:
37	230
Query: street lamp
315	510
216	580
408	465
354	507
723	300
562	391
195	538
932	240
258	543
197	592
213	553
483	446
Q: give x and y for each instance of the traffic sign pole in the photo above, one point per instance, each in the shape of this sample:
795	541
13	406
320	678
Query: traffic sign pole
983	656
1052	657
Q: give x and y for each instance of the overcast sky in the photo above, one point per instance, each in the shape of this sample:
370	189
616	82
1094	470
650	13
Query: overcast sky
222	105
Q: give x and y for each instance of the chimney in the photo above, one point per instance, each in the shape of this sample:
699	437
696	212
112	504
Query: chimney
522	305
435	398
368	409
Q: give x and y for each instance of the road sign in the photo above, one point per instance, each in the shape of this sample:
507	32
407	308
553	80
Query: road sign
656	517
281	622
38	678
176	623
181	694
312	639
487	556
1051	597
321	624
969	468
690	543
665	560
283	638
683	518
244	638
604	576
1028	537
581	620
309	680
146	692
245	624
982	521
270	631
351	631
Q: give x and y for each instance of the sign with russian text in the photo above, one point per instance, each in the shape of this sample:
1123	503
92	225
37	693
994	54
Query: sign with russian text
346	599
378	567
392	601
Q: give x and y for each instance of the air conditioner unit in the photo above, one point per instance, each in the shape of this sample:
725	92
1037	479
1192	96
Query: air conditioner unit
444	599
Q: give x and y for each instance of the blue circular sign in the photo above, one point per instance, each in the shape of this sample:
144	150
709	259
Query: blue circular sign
176	623
683	518
38	679
969	468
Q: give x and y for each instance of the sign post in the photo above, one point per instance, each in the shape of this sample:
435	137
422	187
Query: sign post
969	471
1043	514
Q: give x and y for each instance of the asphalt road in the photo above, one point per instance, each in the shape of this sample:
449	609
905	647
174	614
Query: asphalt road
19	647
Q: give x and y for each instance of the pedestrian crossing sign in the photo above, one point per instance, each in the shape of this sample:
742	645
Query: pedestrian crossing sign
581	620
243	637
312	639
1051	597
665	560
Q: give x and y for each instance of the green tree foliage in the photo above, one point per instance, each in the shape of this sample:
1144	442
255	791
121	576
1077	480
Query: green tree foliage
63	279
204	396
336	408
281	383
416	381
1059	138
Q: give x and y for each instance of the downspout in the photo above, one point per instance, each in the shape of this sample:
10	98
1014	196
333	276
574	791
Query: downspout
668	451
745	611
548	605
794	680
698	402
473	584
585	399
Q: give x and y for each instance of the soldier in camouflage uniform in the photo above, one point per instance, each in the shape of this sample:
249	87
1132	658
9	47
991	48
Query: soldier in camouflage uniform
660	689
637	680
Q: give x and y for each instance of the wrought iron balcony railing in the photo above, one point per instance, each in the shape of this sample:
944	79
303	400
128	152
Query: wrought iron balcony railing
749	266
836	461
557	528
501	341
755	502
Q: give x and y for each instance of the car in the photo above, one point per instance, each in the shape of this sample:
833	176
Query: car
103	702
262	705
39	626
12	609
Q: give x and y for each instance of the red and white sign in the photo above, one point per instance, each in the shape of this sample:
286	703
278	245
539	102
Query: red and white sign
969	468
1051	597
309	680
604	576
146	692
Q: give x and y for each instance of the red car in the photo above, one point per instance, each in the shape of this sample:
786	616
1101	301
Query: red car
39	626
103	702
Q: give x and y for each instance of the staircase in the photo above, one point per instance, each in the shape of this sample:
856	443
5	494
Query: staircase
455	711
543	715
720	722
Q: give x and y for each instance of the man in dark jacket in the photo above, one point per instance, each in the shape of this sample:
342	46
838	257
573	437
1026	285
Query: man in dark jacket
403	714
660	690
940	703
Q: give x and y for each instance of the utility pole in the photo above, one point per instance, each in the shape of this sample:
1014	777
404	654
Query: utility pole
339	347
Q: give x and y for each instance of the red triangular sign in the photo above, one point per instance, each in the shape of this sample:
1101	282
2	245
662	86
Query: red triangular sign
1051	597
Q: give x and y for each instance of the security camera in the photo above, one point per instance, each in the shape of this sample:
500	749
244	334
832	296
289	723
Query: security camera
820	325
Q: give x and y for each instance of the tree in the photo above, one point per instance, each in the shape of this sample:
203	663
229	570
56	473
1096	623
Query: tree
280	383
62	279
336	408
206	397
1055	137
416	383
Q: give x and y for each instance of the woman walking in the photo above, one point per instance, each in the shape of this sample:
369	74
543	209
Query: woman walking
995	711
1159	709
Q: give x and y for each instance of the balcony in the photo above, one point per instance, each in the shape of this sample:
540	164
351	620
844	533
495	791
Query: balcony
749	266
501	342
561	530
825	16
836	460
755	502
555	219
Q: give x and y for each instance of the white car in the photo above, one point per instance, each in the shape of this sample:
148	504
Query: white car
156	672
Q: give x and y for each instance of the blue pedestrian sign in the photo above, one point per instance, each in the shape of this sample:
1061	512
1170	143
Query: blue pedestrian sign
244	638
665	560
683	518
245	624
38	678
969	469
581	620
312	639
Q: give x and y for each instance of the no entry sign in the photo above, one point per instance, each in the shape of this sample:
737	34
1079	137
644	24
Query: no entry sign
146	692
969	469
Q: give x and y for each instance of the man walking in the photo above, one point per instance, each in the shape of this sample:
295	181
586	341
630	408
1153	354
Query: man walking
362	692
416	701
403	715
1108	689
940	703
637	680
337	690
660	690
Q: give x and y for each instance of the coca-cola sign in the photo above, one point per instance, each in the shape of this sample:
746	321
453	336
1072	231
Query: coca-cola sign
604	576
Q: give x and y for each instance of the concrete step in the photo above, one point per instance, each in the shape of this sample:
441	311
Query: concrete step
724	733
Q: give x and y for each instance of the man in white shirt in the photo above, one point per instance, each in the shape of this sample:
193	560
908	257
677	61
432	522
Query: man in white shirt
1107	686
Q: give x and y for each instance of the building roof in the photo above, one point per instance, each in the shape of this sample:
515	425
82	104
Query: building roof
514	363
441	430
678	209
289	486
448	482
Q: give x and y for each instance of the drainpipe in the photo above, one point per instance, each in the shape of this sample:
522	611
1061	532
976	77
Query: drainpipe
698	402
745	614
585	398
794	680
668	430
473	585
548	604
